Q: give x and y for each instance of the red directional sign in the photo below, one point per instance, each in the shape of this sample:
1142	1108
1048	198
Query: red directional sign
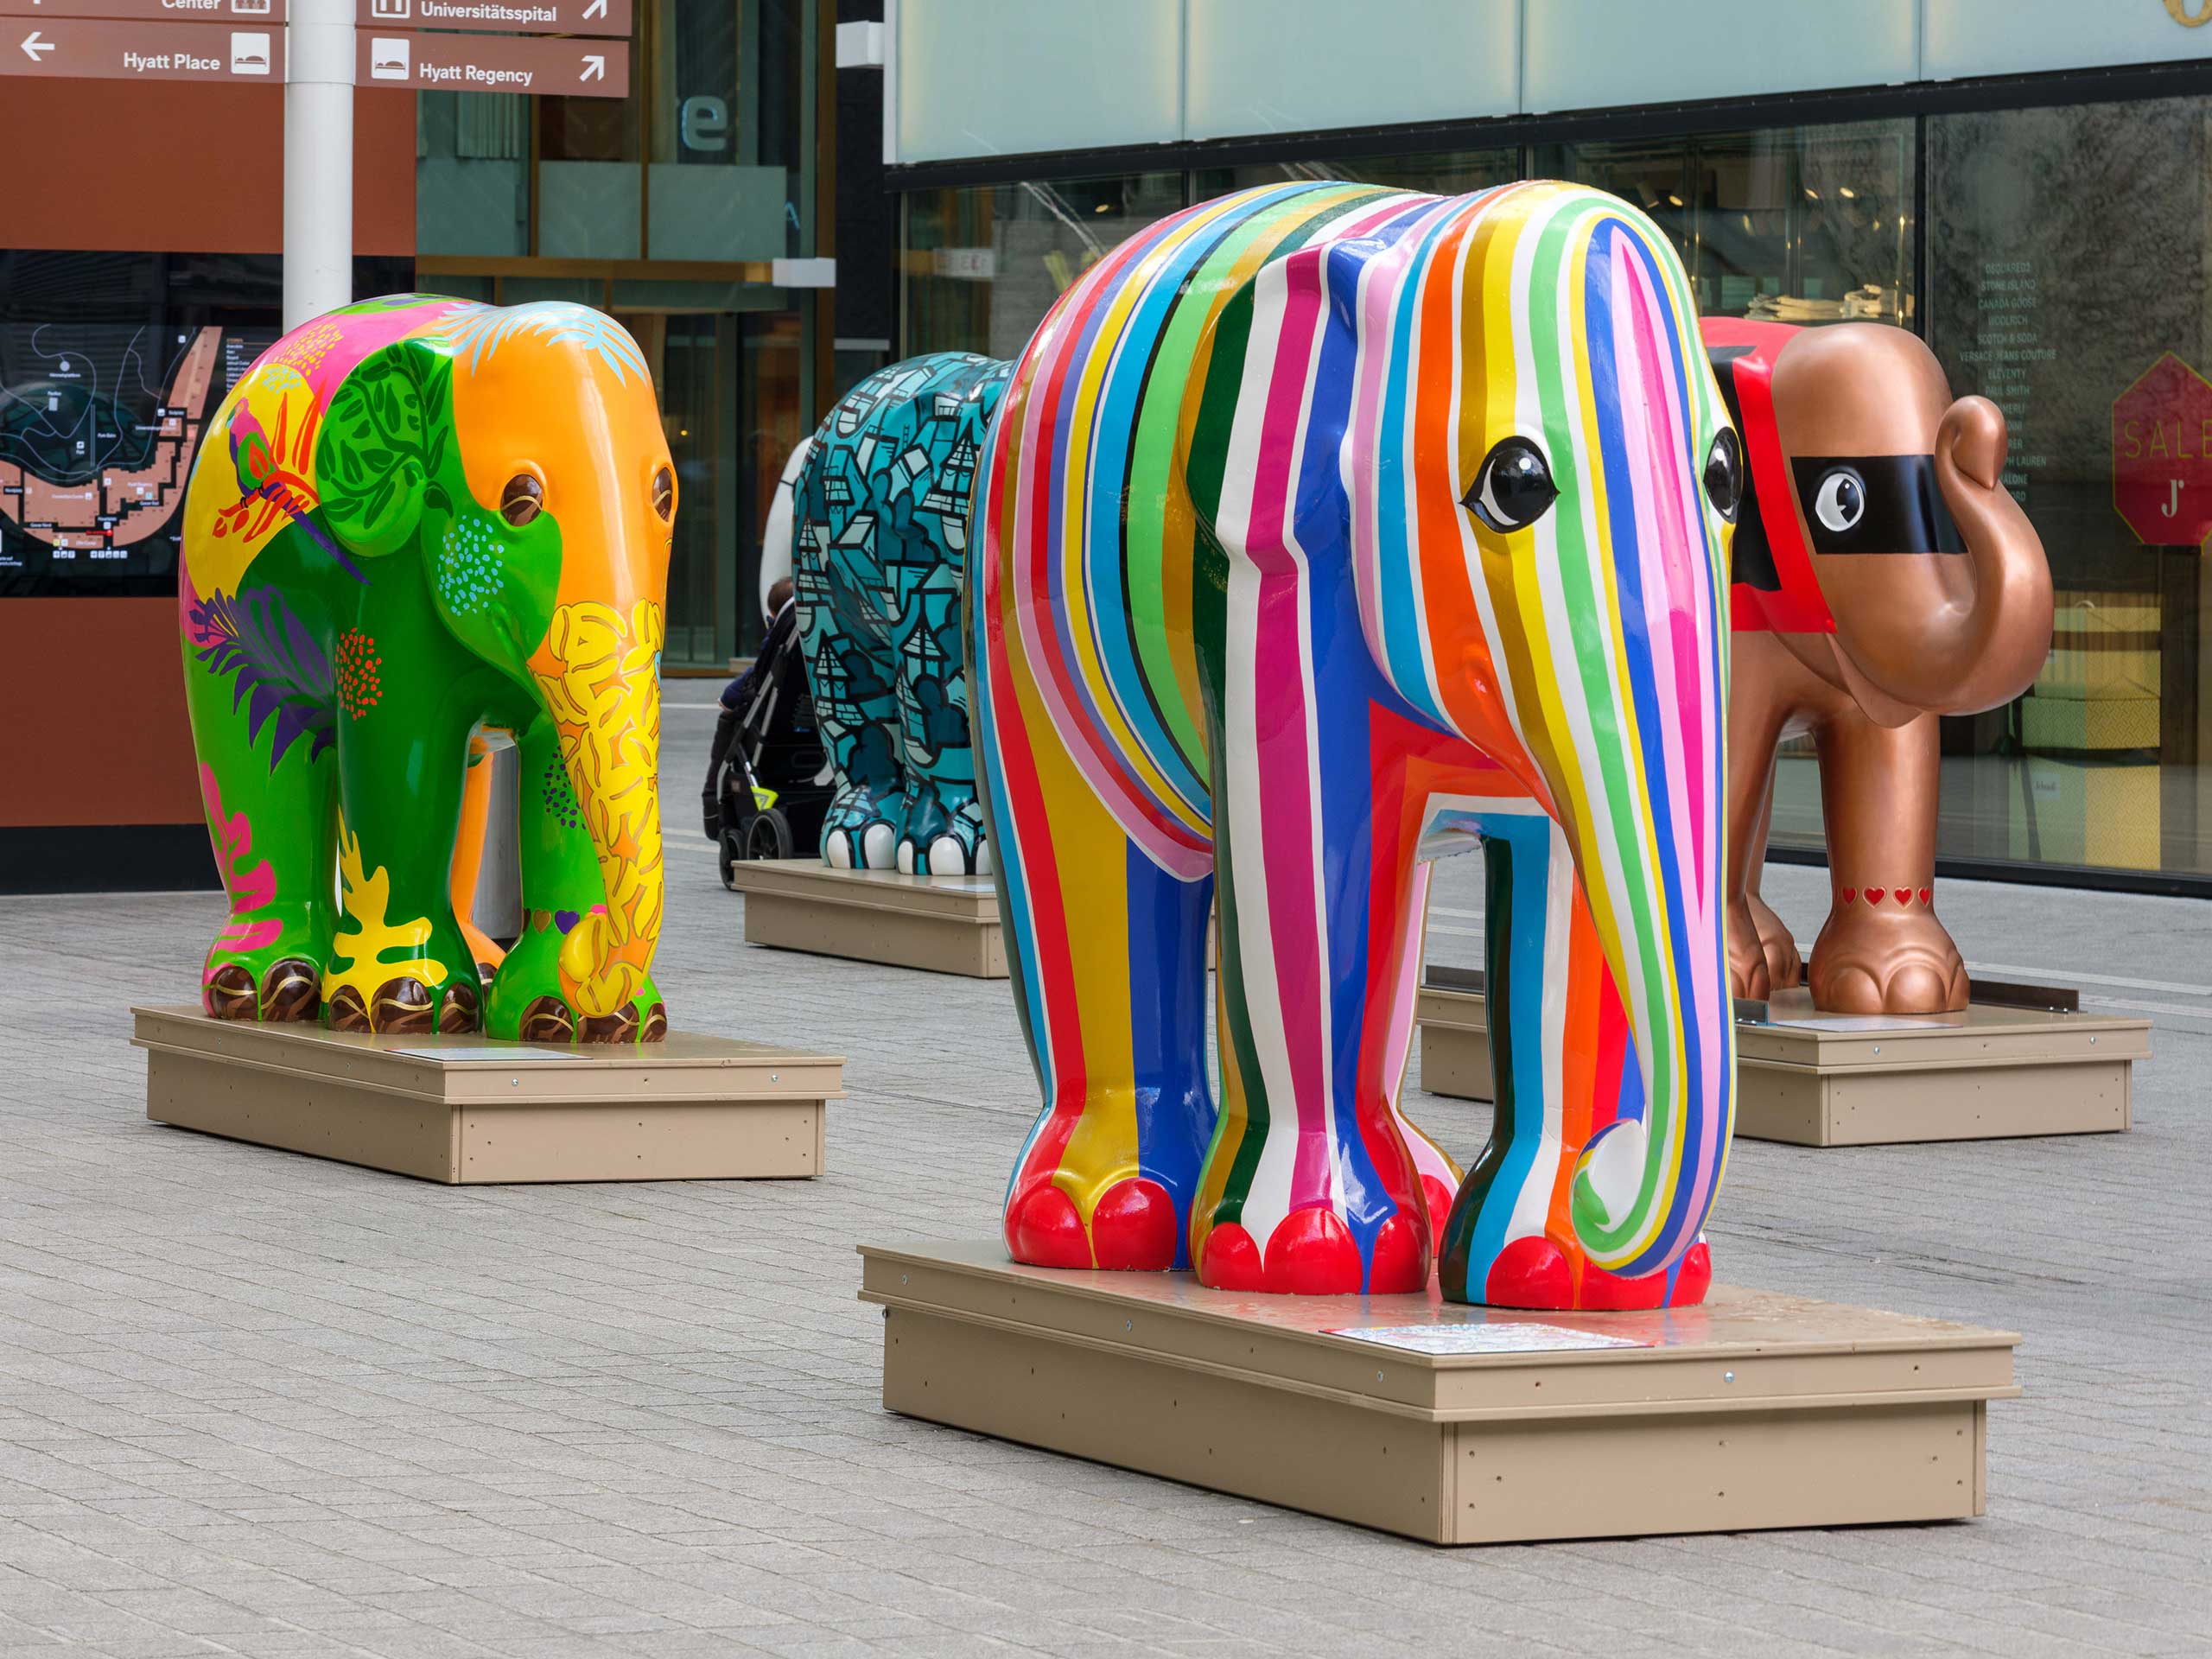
2161	455
486	63
249	12
609	17
119	51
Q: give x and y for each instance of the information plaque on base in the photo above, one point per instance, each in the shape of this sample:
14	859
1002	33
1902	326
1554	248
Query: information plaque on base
466	1109
946	924
1812	1079
1454	1424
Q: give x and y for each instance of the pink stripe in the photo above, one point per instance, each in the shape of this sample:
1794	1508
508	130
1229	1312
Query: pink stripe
1654	433
1283	729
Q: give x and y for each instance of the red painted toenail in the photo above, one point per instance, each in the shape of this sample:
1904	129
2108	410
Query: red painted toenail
1230	1259
1043	1230
1398	1263
1312	1255
1134	1227
1530	1272
1693	1278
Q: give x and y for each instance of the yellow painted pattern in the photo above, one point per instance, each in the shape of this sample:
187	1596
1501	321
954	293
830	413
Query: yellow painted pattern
600	672
370	949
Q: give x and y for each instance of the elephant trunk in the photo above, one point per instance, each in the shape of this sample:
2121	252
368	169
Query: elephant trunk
1643	1185
1951	635
600	670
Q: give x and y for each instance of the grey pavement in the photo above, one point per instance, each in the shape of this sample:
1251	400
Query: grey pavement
257	1403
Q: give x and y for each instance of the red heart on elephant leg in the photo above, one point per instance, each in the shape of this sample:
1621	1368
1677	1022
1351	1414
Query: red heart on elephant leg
1924	899
1851	895
1873	895
1902	895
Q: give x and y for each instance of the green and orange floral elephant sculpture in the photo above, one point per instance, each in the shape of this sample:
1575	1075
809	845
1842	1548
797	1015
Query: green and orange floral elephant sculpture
413	519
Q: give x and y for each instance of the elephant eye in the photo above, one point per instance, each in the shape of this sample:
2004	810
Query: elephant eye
522	500
1513	486
1840	501
664	493
1723	475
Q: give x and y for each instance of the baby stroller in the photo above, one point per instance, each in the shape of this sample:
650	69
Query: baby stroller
768	790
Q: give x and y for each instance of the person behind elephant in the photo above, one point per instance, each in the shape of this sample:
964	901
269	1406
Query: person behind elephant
879	548
737	697
1325	528
412	520
1883	576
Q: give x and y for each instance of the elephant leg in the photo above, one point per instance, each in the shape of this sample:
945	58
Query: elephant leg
468	857
1784	968
562	883
941	832
854	674
1108	958
1310	1186
1565	1066
272	819
398	961
1760	674
1882	950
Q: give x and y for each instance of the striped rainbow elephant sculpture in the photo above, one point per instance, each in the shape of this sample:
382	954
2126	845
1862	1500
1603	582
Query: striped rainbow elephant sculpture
1324	529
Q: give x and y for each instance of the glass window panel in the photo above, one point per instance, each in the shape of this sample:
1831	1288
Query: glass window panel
982	265
1792	224
1446	173
2067	256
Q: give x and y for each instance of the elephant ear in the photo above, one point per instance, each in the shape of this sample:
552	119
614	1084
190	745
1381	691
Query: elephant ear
382	445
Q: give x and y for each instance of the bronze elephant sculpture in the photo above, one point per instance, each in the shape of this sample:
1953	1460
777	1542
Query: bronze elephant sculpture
1881	576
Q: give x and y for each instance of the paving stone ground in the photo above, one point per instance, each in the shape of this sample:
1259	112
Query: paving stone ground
255	1403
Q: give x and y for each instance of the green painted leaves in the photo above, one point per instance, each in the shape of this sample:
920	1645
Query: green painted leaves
385	440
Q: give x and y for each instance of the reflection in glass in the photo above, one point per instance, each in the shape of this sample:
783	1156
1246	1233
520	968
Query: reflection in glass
1790	224
981	267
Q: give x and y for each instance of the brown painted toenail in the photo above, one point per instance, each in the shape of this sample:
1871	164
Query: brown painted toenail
459	1012
547	1020
227	993
292	992
347	1011
402	1006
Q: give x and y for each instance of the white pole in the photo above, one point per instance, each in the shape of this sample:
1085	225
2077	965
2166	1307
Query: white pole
318	160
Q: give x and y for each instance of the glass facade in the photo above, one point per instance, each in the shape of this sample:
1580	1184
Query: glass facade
664	208
2062	269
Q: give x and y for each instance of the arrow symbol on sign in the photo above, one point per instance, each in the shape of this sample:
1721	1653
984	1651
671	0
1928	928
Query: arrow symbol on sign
33	45
595	68
597	9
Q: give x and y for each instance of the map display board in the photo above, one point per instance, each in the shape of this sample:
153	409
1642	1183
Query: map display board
99	422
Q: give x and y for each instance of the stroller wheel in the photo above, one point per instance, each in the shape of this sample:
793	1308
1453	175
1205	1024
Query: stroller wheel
728	851
769	834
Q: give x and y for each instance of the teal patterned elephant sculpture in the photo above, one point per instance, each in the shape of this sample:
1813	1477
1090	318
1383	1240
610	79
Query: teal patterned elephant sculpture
879	558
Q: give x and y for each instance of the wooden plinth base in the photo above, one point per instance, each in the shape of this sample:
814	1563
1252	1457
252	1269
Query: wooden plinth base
1830	1080
946	924
1754	1410
467	1109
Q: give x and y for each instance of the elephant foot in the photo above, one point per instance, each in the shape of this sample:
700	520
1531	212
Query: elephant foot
405	1006
1311	1252
1784	968
873	846
1883	951
289	992
1538	1272
1132	1227
1749	973
549	1020
945	854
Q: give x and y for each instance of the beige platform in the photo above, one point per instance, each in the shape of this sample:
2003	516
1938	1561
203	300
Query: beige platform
1453	1424
946	924
1831	1080
466	1109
